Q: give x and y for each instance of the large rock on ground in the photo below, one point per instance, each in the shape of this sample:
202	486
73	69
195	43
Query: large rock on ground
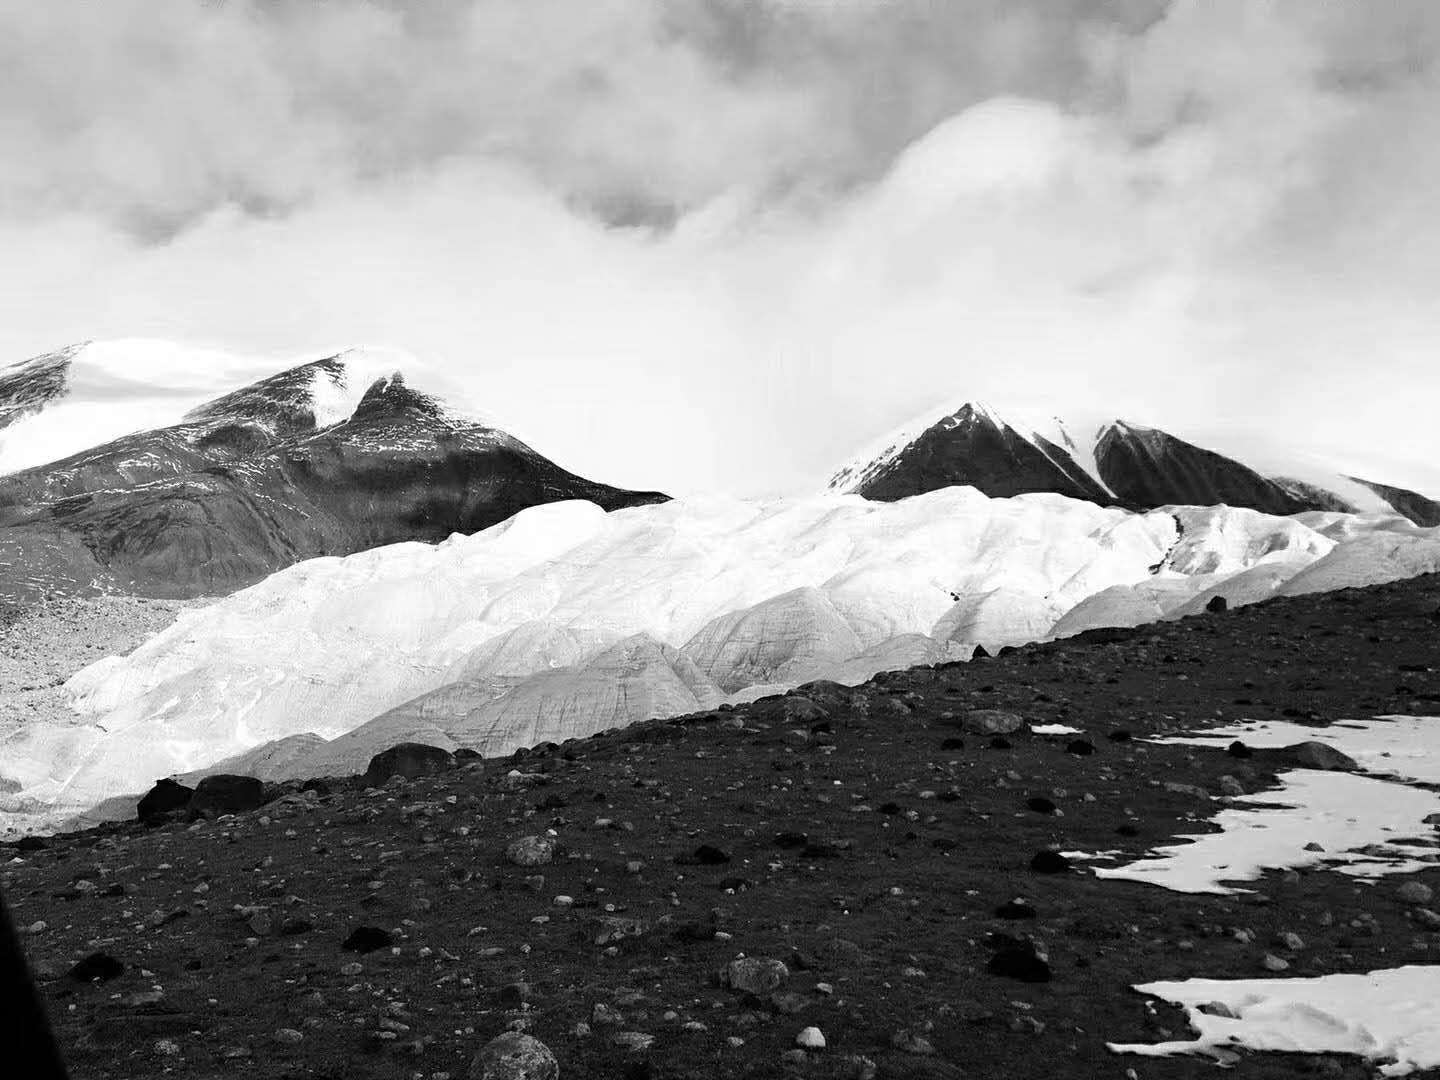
755	975
514	1056
165	797
1319	755
409	760
225	793
531	851
991	722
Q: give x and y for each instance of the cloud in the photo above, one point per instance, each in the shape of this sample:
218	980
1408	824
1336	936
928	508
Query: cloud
715	243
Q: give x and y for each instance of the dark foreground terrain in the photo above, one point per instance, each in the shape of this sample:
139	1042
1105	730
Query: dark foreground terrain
864	838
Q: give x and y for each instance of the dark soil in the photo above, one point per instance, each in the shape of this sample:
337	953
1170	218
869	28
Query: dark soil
875	864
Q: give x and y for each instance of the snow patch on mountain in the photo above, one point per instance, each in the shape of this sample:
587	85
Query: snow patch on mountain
1078	437
99	391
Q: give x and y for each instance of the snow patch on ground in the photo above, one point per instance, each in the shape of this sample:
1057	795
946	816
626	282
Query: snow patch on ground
1403	746
1390	1017
1363	826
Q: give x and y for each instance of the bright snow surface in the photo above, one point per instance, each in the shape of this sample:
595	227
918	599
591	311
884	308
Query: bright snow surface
526	626
1391	1017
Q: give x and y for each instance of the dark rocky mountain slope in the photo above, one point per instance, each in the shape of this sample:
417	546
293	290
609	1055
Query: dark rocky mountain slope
1112	463
250	483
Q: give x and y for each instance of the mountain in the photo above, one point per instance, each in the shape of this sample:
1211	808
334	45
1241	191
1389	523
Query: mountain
1110	462
564	620
323	458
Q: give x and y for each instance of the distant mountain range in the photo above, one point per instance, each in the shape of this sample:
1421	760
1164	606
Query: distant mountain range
319	459
1112	463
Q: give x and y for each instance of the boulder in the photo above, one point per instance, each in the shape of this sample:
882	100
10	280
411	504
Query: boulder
755	975
1319	755
164	798
409	760
991	722
514	1056
530	851
225	793
1217	604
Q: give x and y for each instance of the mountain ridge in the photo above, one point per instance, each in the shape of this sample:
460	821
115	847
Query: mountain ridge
326	457
1109	462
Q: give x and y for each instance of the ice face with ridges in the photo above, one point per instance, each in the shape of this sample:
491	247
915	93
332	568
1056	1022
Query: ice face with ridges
331	643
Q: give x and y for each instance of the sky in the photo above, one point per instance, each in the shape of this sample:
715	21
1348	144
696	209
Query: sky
720	244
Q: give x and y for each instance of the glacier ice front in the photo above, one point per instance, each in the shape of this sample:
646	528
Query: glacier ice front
522	630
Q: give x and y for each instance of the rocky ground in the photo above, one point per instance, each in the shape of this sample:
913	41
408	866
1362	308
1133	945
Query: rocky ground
44	642
859	852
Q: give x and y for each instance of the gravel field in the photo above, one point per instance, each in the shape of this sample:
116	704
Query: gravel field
44	643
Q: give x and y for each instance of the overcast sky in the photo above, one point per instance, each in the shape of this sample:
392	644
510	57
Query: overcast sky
696	244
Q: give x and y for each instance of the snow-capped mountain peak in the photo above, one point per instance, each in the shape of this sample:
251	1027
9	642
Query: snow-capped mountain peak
1110	461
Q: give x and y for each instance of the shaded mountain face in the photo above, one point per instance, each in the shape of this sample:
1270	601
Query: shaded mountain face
251	482
30	385
974	447
1114	464
1148	467
1416	507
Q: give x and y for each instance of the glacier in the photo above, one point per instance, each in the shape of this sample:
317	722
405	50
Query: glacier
565	620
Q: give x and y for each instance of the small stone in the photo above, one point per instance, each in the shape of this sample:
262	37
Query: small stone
1021	964
98	966
633	1041
352	969
514	994
603	1015
288	1036
366	939
1049	862
810	1038
1430	920
1271	962
1015	909
1415	892
907	1042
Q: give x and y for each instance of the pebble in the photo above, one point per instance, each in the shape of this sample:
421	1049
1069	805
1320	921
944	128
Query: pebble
633	1041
